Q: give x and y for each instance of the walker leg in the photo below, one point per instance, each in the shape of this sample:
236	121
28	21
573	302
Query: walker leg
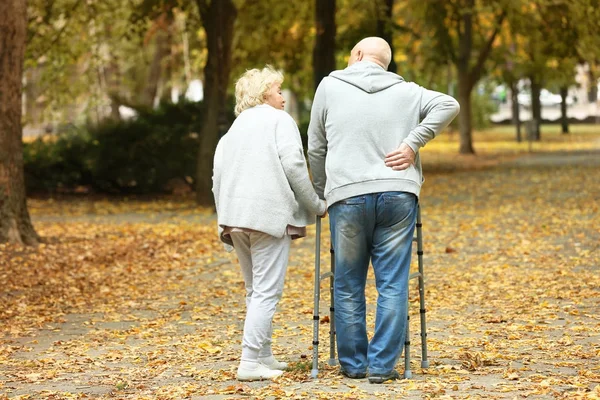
407	372
317	295
332	360
422	310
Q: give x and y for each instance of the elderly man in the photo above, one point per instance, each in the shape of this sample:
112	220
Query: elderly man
367	126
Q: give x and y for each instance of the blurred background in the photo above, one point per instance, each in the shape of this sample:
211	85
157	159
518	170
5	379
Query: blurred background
114	283
132	96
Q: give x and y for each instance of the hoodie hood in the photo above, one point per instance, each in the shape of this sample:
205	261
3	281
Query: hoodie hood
367	76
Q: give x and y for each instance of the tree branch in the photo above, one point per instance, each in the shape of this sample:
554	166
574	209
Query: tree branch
465	37
403	28
45	20
61	31
485	52
120	100
441	31
203	7
454	16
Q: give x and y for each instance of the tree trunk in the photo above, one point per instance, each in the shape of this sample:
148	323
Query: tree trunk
324	50
161	50
564	120
465	85
15	223
33	110
167	78
464	117
536	109
516	118
593	91
469	73
218	19
384	28
450	78
113	82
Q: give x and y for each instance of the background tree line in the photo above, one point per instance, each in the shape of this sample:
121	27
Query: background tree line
81	63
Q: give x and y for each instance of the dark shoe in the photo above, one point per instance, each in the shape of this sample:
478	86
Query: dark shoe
380	378
354	375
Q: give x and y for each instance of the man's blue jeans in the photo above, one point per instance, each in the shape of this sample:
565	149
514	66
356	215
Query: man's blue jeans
376	227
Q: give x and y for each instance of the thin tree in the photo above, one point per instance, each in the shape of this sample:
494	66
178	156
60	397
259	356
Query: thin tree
464	33
564	120
469	73
324	50
15	223
385	27
218	18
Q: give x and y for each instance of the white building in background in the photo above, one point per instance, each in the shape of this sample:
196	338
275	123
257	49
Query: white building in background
195	91
127	113
579	105
584	84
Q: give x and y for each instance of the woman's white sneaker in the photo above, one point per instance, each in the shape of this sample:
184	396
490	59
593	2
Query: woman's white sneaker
256	372
271	363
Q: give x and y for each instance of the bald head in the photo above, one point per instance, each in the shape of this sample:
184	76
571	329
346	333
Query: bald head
373	49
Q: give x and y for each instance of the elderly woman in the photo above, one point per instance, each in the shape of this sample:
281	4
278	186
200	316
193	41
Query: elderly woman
264	199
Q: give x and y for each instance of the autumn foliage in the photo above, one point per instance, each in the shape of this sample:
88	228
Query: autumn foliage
134	299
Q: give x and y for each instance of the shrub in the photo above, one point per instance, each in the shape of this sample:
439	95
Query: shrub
53	163
137	156
142	155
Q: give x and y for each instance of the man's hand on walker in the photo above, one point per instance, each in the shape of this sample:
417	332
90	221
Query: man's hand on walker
401	158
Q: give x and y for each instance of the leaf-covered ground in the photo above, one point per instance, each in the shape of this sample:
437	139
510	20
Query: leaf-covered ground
135	299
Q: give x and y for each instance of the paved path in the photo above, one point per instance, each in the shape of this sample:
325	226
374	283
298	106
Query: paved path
505	251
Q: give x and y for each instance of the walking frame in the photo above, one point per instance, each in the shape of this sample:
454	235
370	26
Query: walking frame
419	274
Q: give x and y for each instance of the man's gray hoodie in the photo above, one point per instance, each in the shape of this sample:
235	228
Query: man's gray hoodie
359	115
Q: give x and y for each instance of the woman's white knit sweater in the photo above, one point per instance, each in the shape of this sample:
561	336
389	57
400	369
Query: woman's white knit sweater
260	178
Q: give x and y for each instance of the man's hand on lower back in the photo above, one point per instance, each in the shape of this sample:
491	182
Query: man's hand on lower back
401	158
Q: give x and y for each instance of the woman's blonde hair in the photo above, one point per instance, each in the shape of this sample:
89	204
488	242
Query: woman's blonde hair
252	86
